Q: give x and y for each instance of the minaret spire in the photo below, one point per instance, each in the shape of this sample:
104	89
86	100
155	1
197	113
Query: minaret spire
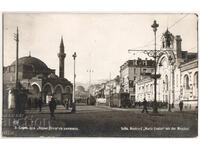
61	44
61	56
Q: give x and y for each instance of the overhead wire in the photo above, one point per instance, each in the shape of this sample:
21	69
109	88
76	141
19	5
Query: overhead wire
162	33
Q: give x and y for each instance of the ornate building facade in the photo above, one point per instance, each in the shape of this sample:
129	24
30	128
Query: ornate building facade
179	74
38	79
189	83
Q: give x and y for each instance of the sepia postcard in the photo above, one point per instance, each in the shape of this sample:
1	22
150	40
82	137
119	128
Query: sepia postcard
100	75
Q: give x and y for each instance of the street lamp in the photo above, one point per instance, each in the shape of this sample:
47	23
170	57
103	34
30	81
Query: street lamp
155	108
153	53
73	99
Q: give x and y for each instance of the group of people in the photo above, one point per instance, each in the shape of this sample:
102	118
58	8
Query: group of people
39	103
145	104
52	107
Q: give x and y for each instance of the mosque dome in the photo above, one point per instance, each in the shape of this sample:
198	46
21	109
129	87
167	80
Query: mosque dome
35	63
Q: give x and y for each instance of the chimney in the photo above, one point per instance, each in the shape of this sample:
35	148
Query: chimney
178	46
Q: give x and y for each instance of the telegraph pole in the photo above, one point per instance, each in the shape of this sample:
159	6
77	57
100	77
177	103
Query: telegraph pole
17	88
73	99
153	53
16	38
90	72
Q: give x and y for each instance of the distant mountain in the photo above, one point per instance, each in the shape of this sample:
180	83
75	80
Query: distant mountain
85	85
100	81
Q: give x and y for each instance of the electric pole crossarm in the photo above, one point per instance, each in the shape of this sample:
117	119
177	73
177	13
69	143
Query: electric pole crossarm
150	53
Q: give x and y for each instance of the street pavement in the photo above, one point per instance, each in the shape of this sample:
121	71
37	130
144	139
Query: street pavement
103	121
80	108
83	108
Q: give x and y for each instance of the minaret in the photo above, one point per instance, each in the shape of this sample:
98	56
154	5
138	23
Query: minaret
61	56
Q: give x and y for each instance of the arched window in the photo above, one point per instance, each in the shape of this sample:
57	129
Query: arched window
68	89
186	82
166	83
168	41
35	90
163	44
163	85
151	88
196	80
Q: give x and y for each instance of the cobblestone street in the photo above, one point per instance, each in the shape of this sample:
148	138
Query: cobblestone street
106	121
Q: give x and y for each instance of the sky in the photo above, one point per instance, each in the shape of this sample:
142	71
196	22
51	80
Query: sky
101	41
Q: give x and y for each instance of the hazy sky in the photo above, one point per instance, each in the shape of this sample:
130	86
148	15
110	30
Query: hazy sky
101	41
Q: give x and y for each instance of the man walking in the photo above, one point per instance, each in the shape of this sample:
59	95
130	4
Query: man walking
52	107
144	106
181	105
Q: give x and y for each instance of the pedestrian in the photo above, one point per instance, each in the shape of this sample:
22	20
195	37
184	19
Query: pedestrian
67	104
145	106
40	103
52	107
181	105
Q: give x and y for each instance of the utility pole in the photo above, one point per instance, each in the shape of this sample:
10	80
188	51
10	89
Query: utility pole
74	85
155	108
155	54
17	88
90	71
16	38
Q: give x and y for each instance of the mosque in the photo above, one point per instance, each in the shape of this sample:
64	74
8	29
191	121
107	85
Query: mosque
38	79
